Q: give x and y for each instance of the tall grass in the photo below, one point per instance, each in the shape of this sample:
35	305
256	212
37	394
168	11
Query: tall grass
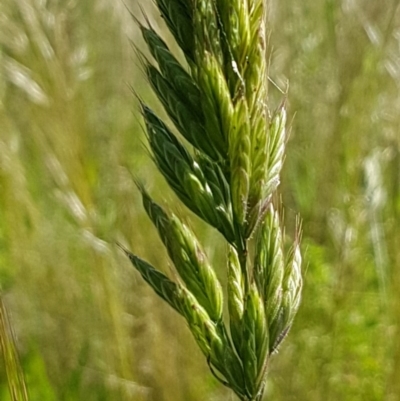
86	327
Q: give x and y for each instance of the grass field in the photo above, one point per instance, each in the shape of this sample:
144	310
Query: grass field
84	324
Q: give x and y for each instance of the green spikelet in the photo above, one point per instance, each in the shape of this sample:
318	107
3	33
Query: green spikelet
269	265
256	92
179	79
234	19
195	270
255	341
276	150
179	110
235	298
292	283
256	67
214	343
178	14
211	339
265	175
206	32
291	295
159	282
216	102
188	257
178	93
198	182
239	150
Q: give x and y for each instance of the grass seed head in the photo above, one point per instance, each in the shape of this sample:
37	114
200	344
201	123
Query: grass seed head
227	176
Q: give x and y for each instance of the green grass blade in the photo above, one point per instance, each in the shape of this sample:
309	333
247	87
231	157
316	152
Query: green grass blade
15	374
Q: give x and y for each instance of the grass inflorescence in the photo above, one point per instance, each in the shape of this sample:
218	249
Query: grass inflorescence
222	156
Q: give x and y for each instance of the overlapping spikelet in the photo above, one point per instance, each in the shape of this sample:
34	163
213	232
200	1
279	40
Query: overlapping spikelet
222	155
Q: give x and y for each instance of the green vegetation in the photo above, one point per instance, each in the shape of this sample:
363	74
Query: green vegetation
86	327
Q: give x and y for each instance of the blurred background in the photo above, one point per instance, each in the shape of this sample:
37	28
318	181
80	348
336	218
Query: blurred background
85	325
